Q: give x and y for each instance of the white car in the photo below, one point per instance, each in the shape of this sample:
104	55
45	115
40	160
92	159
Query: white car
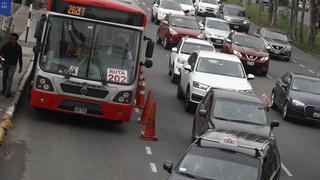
207	7
205	70
181	53
215	30
161	8
187	6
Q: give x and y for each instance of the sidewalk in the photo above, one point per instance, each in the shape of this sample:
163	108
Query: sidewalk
20	19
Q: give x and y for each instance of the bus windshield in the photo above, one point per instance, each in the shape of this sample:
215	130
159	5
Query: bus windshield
91	51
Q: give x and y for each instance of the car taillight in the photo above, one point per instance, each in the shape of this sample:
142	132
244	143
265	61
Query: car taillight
44	84
124	97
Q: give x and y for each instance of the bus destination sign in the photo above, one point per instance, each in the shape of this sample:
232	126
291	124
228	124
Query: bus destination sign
76	10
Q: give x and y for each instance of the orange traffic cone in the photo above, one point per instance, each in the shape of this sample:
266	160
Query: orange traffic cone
140	91
146	114
149	132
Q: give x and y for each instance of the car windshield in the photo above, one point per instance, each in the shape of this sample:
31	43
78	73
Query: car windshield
235	12
311	85
251	42
184	23
274	35
214	24
189	48
186	2
221	67
239	111
212	163
172	5
215	2
90	51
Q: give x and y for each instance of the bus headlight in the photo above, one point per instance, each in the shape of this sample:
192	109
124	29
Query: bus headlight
124	97
44	84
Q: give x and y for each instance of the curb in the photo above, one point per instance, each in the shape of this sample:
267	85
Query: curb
6	120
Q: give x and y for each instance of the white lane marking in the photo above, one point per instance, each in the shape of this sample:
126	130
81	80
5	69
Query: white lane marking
311	71
270	77
137	110
148	150
153	167
294	61
286	170
167	55
149	9
302	65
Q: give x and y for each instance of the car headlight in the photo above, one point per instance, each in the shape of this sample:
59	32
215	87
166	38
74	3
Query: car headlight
289	48
200	86
297	103
266	58
246	22
250	91
181	61
268	47
173	32
200	36
237	53
227	18
208	34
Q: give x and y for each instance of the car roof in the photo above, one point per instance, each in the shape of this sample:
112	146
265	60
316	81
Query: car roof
233	6
246	35
304	76
236	95
197	41
218	55
273	30
247	143
216	19
182	16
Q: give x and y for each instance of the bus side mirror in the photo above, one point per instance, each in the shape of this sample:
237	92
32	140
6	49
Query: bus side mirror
39	28
150	48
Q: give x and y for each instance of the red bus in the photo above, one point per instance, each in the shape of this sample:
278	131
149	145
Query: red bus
88	56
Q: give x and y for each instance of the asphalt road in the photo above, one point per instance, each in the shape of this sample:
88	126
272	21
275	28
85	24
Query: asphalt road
51	146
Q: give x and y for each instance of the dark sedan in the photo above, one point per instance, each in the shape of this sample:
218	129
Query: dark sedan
224	109
277	43
297	96
236	16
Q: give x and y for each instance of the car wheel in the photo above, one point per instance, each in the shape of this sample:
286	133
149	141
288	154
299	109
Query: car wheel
194	134
263	73
285	111
188	105
273	100
166	43
170	68
158	39
179	93
287	59
174	77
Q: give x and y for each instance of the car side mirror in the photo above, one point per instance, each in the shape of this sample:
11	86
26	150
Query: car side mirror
251	77
285	86
228	40
290	40
156	5
174	49
274	123
203	113
187	67
168	165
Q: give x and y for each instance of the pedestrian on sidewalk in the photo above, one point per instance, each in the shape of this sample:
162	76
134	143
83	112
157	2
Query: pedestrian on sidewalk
11	52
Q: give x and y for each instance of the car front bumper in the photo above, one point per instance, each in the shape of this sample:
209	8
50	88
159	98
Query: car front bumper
303	113
239	26
255	65
207	11
197	94
279	54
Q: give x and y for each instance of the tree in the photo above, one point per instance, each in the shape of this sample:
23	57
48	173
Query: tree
293	20
274	13
313	23
304	2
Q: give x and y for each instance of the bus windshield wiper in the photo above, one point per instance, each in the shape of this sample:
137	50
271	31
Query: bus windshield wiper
96	56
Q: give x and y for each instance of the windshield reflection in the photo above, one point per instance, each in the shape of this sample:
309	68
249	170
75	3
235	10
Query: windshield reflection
90	51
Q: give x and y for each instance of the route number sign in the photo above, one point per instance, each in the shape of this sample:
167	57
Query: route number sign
117	76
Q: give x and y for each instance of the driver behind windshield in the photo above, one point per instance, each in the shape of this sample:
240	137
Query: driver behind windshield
120	47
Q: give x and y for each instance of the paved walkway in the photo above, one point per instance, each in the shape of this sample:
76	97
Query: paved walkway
20	19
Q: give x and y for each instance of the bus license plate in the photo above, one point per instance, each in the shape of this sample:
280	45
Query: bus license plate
80	110
316	115
250	63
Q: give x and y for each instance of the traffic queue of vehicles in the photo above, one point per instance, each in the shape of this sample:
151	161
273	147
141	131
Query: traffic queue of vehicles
232	136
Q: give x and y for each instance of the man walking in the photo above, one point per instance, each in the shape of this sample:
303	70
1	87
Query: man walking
11	52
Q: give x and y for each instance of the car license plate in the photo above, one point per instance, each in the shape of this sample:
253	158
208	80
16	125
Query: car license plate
277	52
316	115
250	63
219	41
236	27
80	110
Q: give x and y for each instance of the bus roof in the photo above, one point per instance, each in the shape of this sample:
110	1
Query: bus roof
130	6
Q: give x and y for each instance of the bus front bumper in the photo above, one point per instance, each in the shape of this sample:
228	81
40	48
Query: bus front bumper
73	105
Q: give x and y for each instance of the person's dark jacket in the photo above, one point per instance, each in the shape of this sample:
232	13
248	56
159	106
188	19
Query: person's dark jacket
12	53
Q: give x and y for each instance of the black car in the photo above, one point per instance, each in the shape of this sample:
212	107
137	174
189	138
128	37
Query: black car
236	16
228	154
297	96
224	109
277	43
